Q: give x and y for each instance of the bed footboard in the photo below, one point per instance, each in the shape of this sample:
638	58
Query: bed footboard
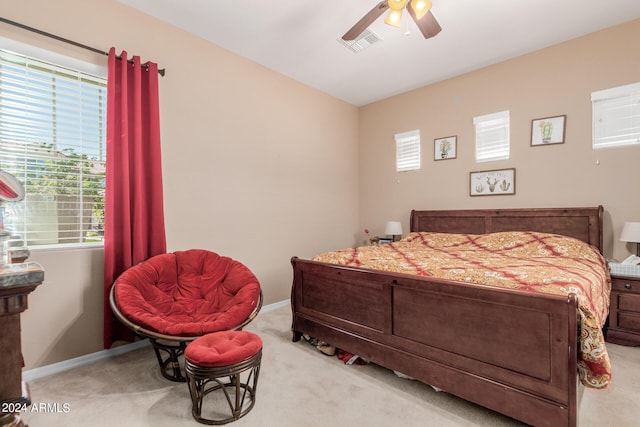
504	350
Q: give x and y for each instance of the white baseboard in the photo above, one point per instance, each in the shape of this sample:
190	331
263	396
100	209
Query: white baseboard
275	306
65	365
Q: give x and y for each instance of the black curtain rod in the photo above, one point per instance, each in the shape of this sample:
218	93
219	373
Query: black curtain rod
53	36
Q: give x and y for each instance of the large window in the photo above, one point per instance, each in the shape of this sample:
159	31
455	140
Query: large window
616	116
492	136
52	138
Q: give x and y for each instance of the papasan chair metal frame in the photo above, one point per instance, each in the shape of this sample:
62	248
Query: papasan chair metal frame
169	348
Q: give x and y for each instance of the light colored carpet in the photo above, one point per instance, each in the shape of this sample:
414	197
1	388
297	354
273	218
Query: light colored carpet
298	386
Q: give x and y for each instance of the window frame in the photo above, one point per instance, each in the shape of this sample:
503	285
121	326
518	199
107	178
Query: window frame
492	135
408	147
94	71
619	108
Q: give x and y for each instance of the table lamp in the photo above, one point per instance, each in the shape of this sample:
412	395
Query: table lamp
631	233
393	228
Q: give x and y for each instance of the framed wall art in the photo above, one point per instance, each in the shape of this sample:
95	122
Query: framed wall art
493	182
548	131
445	148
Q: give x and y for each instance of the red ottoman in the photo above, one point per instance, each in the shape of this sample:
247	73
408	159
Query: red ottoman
217	361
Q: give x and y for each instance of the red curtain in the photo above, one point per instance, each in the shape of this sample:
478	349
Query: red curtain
134	215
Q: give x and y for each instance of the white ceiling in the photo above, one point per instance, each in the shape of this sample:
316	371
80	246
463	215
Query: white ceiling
299	38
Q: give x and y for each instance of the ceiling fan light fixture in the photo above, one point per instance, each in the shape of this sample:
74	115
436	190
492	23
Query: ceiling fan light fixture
420	7
418	10
393	18
397	4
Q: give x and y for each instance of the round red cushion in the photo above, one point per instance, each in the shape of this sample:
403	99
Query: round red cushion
223	348
187	293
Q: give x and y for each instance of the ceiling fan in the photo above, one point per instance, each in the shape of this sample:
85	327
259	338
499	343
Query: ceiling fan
418	9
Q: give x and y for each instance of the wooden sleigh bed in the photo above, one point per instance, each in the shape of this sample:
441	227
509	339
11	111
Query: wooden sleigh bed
512	352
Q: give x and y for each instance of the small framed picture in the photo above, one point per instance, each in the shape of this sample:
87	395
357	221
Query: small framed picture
548	131
445	148
492	183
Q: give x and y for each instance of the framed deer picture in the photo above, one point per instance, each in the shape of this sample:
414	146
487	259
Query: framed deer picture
493	182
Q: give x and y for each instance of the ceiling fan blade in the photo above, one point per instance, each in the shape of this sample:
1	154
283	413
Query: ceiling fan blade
428	25
366	20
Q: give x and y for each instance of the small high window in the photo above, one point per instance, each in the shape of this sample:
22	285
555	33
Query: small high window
616	116
408	151
492	136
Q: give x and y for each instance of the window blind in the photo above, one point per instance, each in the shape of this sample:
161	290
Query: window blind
616	116
407	151
52	138
492	136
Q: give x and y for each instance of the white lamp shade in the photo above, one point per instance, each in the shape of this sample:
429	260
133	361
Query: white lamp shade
393	228
630	232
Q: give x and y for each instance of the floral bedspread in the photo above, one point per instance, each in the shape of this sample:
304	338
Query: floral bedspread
525	261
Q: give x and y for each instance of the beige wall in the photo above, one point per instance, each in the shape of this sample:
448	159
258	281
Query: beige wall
256	166
554	81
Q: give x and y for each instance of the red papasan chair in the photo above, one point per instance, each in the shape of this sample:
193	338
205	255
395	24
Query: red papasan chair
174	298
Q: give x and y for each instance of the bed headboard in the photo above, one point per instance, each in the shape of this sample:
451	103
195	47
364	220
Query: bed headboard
581	223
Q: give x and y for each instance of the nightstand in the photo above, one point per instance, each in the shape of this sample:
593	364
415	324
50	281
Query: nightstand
624	311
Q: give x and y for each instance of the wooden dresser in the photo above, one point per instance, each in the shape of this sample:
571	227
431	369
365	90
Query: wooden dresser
16	282
624	311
